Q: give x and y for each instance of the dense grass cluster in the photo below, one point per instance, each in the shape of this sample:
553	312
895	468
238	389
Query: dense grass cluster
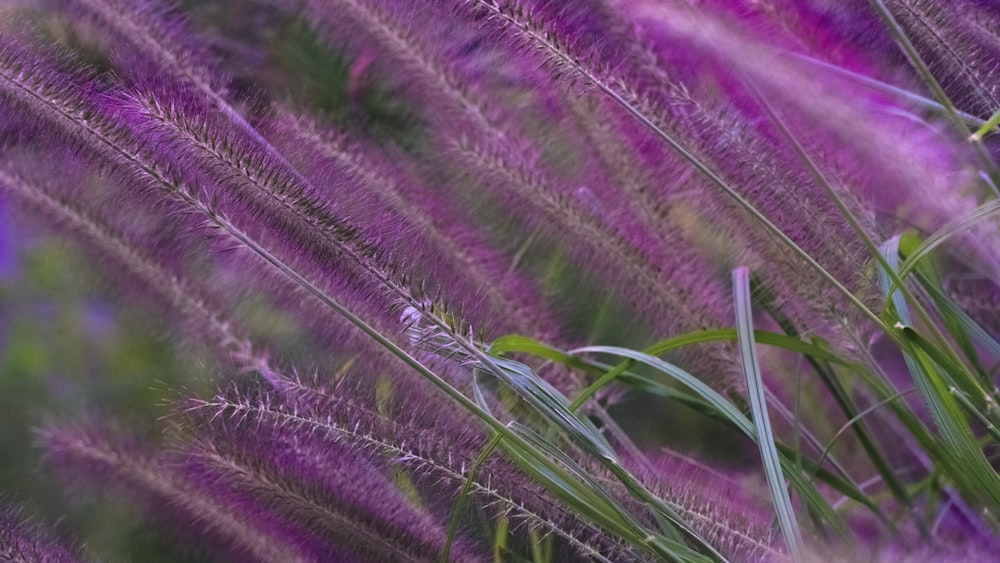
456	258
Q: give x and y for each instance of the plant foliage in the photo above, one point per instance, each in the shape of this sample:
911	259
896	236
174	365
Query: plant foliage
465	268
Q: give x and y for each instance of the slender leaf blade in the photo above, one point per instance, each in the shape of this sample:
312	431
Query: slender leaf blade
758	405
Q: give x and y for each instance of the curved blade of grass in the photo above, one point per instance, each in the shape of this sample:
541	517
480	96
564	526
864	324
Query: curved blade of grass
587	496
961	458
524	344
727	410
987	127
456	513
843	399
955	372
703	407
758	406
554	406
699	405
972	409
953	227
515	343
857	418
952	311
971	470
607	374
958	325
527	345
914	251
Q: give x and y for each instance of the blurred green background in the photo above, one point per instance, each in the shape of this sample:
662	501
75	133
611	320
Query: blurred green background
69	350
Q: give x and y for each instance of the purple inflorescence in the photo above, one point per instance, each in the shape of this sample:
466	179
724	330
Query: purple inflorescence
459	186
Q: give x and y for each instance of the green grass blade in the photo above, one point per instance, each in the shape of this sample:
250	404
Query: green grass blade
606	374
517	343
953	227
961	328
758	405
856	419
500	540
914	252
962	460
960	318
727	410
702	407
588	497
843	399
554	406
972	409
990	124
523	344
971	471
955	372
527	345
456	513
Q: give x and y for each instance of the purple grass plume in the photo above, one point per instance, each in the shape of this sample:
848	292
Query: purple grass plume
23	540
397	227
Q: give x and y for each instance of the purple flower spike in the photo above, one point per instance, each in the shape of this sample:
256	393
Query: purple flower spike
96	455
328	493
22	540
464	180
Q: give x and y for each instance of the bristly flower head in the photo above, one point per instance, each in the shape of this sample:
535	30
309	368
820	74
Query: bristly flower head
24	540
409	304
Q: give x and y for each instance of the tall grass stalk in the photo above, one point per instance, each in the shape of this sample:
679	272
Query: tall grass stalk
523	280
